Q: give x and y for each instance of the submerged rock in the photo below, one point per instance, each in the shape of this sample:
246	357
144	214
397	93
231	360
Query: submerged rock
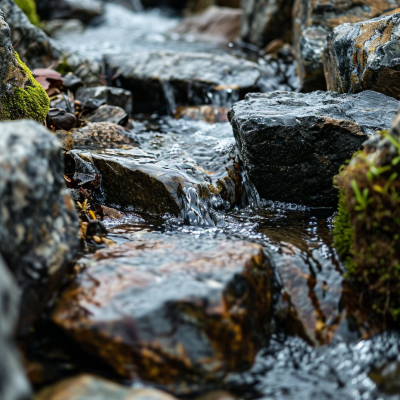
215	24
292	144
365	56
175	310
162	81
83	387
13	383
21	96
38	221
266	20
314	20
83	10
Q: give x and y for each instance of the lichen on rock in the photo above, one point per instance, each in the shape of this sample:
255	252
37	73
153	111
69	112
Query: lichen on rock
367	227
29	9
21	96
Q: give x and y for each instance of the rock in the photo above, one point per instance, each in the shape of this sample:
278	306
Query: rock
83	10
364	56
312	23
95	97
38	221
102	135
162	81
114	115
72	82
210	114
292	144
83	387
173	4
57	28
13	383
176	310
266	20
194	6
215	24
60	119
21	96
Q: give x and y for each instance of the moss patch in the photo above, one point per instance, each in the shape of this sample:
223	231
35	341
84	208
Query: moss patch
26	98
367	227
29	9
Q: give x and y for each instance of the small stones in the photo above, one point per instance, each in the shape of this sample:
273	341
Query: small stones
365	56
173	309
292	144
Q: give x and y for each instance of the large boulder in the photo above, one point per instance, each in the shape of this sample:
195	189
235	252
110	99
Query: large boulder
84	387
266	20
313	21
38	221
293	144
21	96
175	310
365	56
13	383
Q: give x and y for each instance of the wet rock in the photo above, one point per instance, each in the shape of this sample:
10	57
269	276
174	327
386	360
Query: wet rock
215	24
57	28
102	135
292	144
266	20
163	81
21	96
38	224
83	10
111	114
83	387
173	309
13	383
95	97
312	23
72	82
210	114
364	56
60	119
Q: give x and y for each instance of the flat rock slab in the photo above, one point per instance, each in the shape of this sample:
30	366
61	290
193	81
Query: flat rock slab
84	387
293	144
365	56
38	221
172	309
161	81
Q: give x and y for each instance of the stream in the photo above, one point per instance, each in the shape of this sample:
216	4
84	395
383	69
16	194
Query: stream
323	345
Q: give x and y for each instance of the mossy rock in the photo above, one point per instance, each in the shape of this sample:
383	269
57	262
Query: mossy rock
22	96
29	9
367	227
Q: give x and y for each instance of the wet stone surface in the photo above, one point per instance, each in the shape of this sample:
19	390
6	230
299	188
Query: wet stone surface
364	56
172	309
292	145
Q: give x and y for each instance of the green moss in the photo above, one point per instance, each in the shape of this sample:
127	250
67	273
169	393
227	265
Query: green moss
29	9
367	227
28	99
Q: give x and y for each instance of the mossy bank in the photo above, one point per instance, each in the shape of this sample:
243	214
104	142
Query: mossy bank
29	9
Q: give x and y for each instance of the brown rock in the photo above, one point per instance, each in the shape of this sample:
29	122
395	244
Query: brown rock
173	309
106	113
83	387
215	24
210	114
312	23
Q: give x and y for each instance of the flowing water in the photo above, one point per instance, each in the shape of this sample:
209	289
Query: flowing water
321	347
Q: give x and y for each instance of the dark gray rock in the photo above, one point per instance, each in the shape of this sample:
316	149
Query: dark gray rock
266	20
112	114
365	56
83	10
38	222
186	311
97	96
312	23
13	383
161	81
292	144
